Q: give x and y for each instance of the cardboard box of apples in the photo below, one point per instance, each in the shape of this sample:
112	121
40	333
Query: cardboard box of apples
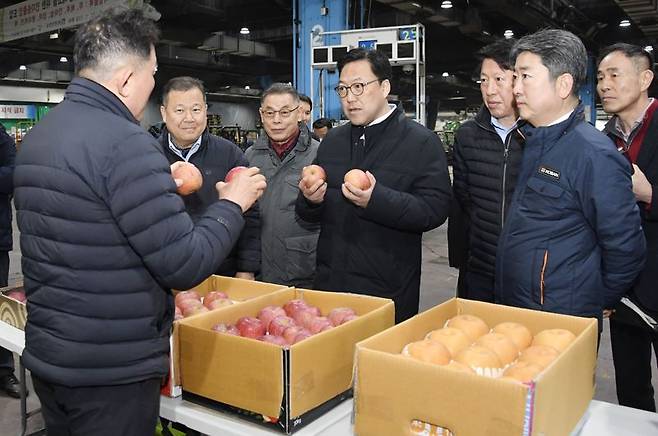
212	294
282	359
12	306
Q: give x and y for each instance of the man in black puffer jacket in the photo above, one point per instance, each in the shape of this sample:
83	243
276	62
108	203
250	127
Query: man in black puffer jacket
486	165
104	236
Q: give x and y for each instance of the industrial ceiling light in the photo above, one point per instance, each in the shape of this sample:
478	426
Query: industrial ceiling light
445	74
508	34
54	35
63	59
624	23
418	5
247	87
478	81
648	48
244	31
446	4
22	68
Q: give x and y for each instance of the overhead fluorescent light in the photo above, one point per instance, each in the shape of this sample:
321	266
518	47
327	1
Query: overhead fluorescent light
446	4
244	31
54	35
63	59
648	48
509	33
624	23
22	68
445	74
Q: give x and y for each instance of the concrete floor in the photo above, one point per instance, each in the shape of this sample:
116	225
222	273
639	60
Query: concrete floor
437	285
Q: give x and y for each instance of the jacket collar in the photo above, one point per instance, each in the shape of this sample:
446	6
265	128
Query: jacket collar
86	91
550	134
303	142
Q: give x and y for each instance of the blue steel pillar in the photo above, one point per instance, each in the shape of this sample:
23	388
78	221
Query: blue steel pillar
307	14
588	91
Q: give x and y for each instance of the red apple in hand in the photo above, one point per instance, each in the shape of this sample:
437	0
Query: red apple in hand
280	324
187	295
357	178
190	176
233	172
250	327
312	174
229	329
337	315
212	296
267	314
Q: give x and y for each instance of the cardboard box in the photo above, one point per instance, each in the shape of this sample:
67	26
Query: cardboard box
237	290
287	385
12	312
391	391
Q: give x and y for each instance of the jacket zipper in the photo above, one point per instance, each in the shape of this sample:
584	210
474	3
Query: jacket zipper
503	190
541	277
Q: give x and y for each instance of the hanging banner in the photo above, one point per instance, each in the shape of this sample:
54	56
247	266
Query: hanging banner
33	17
18	111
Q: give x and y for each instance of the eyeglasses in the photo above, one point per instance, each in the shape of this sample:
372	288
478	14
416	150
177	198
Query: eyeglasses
356	88
285	113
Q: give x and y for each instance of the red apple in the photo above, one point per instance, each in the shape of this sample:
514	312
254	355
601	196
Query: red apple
212	296
178	314
349	318
291	332
233	172
280	324
312	174
315	310
250	327
17	294
337	315
187	295
188	304
191	177
268	313
318	324
357	178
220	302
194	310
229	329
273	339
293	305
301	336
304	317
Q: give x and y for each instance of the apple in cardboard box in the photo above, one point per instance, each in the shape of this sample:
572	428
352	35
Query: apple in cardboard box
337	315
280	324
187	295
250	327
229	329
268	313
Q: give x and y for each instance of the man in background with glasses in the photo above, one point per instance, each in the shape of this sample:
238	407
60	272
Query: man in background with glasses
624	76
370	240
287	243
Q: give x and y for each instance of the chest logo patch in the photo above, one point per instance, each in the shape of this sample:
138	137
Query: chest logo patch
549	172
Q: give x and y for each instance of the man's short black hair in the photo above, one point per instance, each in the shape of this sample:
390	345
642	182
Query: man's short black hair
322	122
182	84
643	58
114	35
499	52
306	99
378	61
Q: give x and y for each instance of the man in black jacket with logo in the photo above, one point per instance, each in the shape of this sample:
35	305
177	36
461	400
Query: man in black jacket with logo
625	73
8	381
186	138
486	164
105	236
370	239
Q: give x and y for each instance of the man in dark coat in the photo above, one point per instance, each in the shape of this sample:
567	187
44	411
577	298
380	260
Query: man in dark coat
486	164
186	138
370	238
105	236
8	381
625	74
572	241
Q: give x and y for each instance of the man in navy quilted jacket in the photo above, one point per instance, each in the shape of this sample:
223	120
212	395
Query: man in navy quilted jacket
105	236
573	241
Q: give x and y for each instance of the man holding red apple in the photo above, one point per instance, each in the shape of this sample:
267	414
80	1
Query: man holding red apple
185	138
370	239
287	243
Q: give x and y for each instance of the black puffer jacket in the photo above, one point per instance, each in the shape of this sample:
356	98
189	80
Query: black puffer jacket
484	177
214	158
7	157
104	237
